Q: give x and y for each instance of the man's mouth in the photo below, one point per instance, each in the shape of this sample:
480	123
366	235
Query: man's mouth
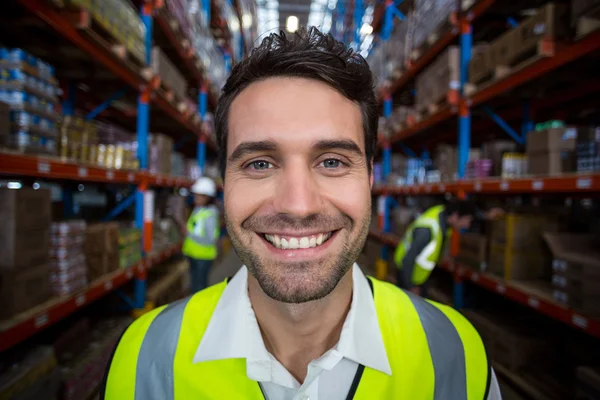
286	242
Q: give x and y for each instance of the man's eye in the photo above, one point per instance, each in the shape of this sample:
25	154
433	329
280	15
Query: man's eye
260	165
331	163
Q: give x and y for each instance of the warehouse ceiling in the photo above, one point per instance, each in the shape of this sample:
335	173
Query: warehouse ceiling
273	14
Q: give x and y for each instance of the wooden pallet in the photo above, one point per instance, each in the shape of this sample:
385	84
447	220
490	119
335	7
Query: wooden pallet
84	21
544	49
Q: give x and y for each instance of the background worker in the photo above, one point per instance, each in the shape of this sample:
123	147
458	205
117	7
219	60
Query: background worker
202	232
421	247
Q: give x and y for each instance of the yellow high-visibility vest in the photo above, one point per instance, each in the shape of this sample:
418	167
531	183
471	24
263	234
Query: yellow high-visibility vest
434	353
430	255
196	226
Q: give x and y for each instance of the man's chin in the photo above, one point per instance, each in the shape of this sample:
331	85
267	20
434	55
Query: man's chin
298	283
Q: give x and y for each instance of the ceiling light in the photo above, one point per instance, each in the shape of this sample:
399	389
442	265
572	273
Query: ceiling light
14	185
246	21
292	23
366	29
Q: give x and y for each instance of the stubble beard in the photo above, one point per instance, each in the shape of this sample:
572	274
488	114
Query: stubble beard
299	285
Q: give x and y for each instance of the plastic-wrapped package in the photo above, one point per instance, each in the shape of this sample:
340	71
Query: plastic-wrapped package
68	269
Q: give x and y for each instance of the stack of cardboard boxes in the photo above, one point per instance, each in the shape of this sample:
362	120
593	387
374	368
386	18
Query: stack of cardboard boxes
102	249
68	270
576	271
517	249
24	249
159	157
169	75
439	81
552	151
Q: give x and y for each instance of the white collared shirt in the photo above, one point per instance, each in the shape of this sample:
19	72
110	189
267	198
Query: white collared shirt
233	332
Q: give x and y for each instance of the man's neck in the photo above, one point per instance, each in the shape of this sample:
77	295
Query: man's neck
296	334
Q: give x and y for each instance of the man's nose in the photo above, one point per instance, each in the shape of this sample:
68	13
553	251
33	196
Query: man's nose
298	192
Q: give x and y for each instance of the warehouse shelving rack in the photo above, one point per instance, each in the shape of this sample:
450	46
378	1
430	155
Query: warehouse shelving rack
147	86
576	184
515	291
54	310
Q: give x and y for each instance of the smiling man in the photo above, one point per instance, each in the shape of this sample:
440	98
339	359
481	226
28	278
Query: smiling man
297	131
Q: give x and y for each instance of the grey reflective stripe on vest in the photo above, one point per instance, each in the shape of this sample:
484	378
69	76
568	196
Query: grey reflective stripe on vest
154	374
447	351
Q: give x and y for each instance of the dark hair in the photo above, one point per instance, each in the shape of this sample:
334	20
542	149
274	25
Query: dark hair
461	207
304	54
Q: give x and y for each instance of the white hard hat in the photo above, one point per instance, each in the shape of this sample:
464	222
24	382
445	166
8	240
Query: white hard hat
205	186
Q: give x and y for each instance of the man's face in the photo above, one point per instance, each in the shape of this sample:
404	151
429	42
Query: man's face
297	188
201	200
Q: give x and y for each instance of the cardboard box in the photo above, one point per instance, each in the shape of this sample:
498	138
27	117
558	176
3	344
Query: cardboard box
589	305
99	265
549	23
575	285
522	231
481	65
552	140
21	290
163	67
24	209
102	239
503	48
24	249
473	251
495	150
554	163
575	255
513	264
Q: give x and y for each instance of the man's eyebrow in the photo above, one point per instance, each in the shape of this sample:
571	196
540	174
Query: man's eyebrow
245	148
345	144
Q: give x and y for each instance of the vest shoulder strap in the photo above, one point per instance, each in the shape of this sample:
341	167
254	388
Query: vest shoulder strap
433	351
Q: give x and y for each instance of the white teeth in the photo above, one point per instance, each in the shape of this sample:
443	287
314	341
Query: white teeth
304	243
294	243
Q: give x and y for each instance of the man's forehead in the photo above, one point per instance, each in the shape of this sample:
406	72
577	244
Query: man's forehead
289	112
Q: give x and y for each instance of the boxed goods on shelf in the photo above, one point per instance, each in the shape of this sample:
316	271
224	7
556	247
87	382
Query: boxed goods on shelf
495	150
22	289
28	86
517	249
436	83
580	8
169	75
432	19
482	64
68	269
121	20
101	249
34	376
446	161
24	232
130	250
514	165
588	150
177	164
478	169
550	22
159	157
588	383
552	150
473	251
576	270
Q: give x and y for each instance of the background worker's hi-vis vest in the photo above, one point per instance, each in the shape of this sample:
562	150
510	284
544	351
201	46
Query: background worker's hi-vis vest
429	257
199	243
434	354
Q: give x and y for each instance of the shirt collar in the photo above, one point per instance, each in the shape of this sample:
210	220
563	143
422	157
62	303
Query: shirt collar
233	330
